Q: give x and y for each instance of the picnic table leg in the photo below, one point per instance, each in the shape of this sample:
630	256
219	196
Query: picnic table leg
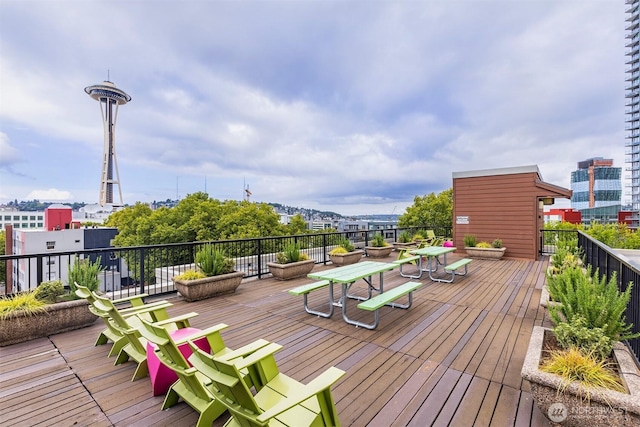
332	304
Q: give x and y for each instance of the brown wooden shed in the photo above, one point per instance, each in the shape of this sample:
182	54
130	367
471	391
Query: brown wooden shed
505	203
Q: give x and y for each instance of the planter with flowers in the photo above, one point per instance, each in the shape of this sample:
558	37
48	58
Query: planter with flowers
484	250
379	248
580	374
291	263
215	276
345	253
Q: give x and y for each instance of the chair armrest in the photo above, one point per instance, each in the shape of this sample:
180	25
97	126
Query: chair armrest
136	308
144	309
322	382
262	350
182	320
133	299
199	334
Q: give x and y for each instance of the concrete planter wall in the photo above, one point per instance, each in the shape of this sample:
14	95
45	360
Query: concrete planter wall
57	318
485	253
348	258
604	408
290	270
378	251
195	290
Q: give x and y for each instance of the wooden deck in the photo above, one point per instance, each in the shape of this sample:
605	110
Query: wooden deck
454	358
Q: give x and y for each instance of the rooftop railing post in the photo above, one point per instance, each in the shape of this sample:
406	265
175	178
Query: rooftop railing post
142	278
259	262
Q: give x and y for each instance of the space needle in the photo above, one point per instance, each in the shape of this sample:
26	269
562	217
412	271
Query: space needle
109	97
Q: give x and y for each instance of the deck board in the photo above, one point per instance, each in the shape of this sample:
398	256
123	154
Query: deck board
454	358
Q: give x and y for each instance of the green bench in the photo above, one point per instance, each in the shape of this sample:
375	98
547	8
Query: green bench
453	267
387	298
304	291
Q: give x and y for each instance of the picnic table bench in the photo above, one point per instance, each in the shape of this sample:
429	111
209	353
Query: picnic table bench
387	298
453	267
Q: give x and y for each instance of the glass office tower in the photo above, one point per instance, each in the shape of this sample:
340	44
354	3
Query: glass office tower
632	150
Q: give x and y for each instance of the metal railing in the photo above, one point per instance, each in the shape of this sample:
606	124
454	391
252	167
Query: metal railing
607	262
149	269
550	240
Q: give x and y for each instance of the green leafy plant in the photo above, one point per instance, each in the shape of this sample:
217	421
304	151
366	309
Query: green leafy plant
24	301
417	237
470	240
213	262
85	273
377	241
190	275
485	245
344	246
588	340
497	243
48	292
291	253
404	237
593	298
590	371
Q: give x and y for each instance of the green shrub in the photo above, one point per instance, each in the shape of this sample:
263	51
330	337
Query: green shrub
418	237
590	340
213	262
593	298
470	240
497	243
23	301
404	237
85	273
377	241
291	253
346	244
49	292
190	275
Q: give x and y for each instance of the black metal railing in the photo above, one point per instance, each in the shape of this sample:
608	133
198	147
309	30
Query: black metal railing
550	240
605	259
149	269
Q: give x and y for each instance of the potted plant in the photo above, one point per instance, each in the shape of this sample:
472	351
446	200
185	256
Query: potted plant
39	313
345	253
404	241
215	275
485	250
562	260
291	263
571	367
379	248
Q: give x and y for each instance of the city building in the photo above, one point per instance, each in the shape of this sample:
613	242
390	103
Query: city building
596	184
22	219
632	151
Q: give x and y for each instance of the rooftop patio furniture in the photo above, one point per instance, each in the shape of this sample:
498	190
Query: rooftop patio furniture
154	311
278	400
191	386
136	346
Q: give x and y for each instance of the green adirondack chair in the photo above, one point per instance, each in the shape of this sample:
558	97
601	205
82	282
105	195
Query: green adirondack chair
135	346
192	387
278	399
153	311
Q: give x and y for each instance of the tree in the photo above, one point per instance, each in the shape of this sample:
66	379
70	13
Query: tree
429	210
297	225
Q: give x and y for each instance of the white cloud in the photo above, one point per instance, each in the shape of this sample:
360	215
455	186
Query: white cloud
52	194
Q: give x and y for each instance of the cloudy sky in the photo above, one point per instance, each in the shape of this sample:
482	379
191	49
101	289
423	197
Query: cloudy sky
349	106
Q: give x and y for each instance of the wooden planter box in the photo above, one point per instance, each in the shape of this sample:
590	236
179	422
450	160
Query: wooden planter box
378	251
195	290
290	270
485	253
604	408
57	318
348	258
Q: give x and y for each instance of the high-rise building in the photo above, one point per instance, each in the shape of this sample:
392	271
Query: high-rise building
632	151
595	184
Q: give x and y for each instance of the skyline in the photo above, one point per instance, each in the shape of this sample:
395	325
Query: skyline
351	107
